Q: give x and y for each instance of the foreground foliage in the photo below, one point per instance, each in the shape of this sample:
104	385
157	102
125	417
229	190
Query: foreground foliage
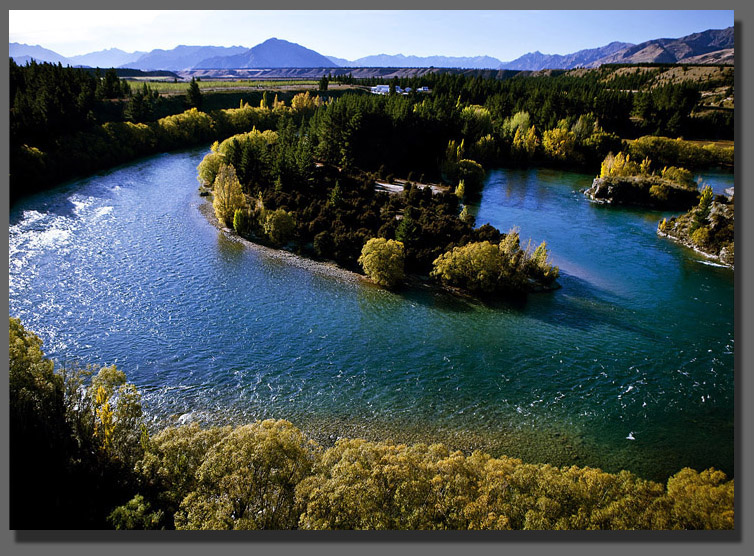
75	437
97	467
268	475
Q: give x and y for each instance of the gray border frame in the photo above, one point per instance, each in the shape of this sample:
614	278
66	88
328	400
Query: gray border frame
574	542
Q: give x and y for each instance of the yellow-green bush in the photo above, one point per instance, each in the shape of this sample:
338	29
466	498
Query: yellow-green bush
247	480
383	261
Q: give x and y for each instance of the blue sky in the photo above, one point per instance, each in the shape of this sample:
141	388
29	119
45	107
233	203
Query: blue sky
504	34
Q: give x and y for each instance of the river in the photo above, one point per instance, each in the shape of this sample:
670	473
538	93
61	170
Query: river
628	366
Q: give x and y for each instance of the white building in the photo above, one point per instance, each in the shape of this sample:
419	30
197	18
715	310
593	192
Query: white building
381	89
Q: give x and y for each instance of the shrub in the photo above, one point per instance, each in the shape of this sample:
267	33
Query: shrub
383	260
540	267
475	267
472	175
228	194
659	192
680	176
243	222
209	166
701	237
279	226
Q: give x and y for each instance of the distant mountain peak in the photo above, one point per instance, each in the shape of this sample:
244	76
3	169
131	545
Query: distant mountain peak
272	53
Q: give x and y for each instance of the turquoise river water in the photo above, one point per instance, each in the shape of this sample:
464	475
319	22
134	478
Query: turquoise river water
628	366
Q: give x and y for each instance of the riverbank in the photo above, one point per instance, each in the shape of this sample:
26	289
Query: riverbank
333	270
319	267
720	259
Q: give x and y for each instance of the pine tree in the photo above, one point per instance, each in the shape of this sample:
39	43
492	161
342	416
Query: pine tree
194	95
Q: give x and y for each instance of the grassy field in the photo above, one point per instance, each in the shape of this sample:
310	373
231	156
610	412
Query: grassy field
165	87
717	143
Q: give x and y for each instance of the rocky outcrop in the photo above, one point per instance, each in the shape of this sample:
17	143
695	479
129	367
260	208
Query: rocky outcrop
643	191
711	236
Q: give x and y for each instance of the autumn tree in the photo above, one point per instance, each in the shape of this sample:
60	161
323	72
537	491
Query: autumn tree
383	261
279	226
559	144
228	194
474	267
305	102
540	265
619	165
247	480
210	164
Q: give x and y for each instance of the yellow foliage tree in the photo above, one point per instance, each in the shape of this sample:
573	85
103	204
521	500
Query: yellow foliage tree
383	261
474	267
559	144
619	165
305	102
228	194
247	480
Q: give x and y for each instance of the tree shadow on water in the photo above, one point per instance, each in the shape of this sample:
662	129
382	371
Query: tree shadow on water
578	305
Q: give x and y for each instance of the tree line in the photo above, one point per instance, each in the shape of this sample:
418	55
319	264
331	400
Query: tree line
67	122
81	457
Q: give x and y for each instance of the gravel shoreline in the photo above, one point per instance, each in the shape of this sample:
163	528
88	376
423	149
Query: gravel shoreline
687	243
319	267
333	270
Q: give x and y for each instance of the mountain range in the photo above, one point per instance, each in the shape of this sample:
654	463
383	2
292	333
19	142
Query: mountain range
401	61
710	46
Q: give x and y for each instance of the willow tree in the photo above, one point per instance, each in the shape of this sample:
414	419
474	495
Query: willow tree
383	261
228	194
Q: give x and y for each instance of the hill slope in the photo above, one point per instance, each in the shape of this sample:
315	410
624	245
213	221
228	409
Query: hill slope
272	53
109	58
401	61
535	61
685	49
181	57
22	53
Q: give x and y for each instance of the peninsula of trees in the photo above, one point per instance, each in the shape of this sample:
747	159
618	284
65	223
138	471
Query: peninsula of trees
708	227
